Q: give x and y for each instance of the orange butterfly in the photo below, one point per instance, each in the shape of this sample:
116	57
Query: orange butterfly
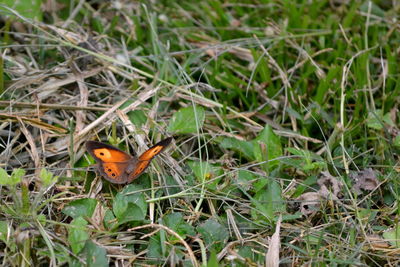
119	167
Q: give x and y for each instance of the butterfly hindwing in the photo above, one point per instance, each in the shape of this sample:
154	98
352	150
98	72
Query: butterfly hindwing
114	172
112	162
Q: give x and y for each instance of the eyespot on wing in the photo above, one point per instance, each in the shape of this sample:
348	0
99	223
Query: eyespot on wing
113	172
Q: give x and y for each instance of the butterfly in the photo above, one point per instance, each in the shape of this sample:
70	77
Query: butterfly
117	166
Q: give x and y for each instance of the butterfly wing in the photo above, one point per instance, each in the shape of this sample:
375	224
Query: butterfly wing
105	153
112	162
155	150
145	159
114	172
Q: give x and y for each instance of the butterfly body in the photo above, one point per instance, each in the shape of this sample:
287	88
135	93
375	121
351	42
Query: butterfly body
119	167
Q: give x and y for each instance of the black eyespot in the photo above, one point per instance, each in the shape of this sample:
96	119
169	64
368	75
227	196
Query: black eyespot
113	174
109	170
101	154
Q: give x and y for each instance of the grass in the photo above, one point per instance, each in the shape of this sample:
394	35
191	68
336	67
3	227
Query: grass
285	123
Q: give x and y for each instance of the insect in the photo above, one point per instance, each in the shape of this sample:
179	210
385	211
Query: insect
119	167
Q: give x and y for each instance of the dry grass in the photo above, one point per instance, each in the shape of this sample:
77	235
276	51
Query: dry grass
272	124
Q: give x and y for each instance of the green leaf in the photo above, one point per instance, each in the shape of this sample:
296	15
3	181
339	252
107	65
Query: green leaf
47	177
4	231
245	179
246	252
244	147
137	117
42	219
374	9
130	204
25	200
6	235
393	236
176	222
77	234
4	177
266	146
80	208
187	120
132	212
251	255
154	249
109	219
306	160
201	169
268	202
396	142
373	120
272	149
204	171
213	260
305	185
171	185
388	120
376	120
27	8
214	234
16	176
94	255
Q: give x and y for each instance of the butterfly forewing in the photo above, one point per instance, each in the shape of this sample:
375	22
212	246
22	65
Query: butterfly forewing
141	166
155	150
147	156
105	153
